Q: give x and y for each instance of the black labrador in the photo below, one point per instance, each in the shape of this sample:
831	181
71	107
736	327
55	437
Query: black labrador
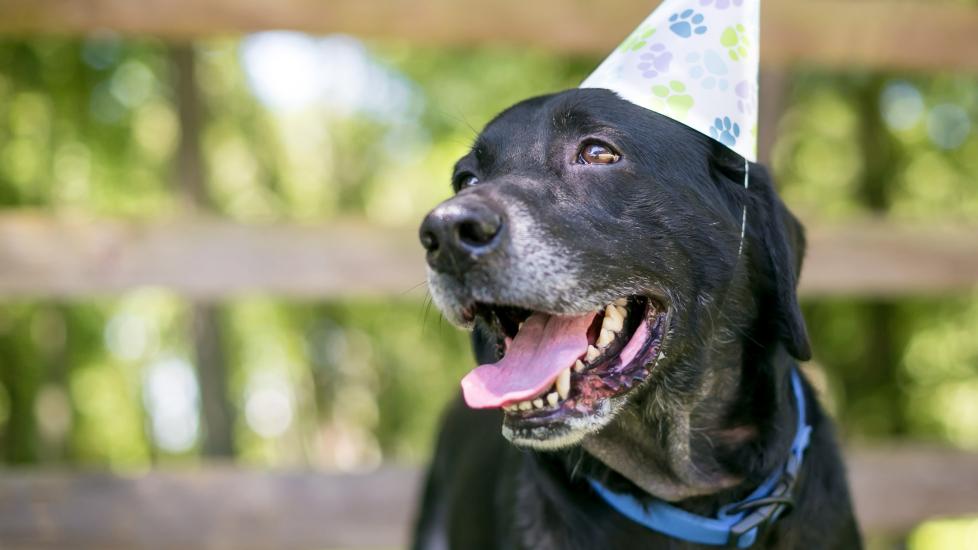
634	309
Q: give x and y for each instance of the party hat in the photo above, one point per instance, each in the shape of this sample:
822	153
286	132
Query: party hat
695	61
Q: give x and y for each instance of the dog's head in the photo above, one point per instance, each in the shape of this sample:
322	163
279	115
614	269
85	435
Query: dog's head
597	246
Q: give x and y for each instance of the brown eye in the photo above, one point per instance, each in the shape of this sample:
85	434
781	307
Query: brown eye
466	180
597	153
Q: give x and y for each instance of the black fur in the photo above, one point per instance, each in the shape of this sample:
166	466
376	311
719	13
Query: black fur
716	416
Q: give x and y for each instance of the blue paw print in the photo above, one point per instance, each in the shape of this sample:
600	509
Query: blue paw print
709	69
725	131
686	23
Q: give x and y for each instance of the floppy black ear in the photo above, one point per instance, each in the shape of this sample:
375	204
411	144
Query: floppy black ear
782	244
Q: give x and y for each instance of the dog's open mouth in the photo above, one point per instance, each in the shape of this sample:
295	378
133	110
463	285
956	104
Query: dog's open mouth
557	368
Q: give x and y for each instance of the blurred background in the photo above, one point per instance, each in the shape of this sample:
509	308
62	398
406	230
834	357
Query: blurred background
214	329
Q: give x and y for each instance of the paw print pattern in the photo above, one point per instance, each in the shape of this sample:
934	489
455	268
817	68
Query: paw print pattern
637	40
709	68
721	4
725	131
673	99
736	41
655	61
746	97
686	23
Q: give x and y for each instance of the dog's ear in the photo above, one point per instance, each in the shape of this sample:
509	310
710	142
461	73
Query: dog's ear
776	240
781	241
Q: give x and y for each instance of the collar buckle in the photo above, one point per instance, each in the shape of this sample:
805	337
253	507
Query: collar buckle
765	511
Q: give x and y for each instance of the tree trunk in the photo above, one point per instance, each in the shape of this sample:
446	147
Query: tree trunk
207	334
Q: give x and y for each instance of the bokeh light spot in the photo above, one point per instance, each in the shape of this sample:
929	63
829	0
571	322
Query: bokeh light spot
902	105
172	399
269	404
948	125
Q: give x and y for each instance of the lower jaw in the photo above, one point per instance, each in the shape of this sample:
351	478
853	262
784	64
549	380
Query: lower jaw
564	432
596	396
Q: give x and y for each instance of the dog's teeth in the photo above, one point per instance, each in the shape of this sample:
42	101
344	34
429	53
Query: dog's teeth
621	302
553	398
510	408
622	311
578	366
519	327
662	355
563	383
538	403
612	322
613	311
605	338
592	353
525	405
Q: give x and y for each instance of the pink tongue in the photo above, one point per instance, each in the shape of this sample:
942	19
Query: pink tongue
545	346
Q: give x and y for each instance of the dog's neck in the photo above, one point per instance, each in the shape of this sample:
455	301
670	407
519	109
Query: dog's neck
706	447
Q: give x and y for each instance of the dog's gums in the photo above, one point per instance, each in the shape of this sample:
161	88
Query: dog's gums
593	360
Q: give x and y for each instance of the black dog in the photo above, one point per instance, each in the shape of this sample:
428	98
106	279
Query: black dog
641	341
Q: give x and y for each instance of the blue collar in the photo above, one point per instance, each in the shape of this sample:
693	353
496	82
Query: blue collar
736	524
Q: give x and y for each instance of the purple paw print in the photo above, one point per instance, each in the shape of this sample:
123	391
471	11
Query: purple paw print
655	61
721	4
746	97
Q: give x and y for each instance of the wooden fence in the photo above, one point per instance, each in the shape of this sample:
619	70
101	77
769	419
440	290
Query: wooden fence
838	33
220	507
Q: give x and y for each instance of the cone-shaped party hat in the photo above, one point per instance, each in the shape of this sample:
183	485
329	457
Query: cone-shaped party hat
695	61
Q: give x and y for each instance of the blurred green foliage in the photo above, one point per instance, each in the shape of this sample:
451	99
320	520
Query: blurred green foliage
93	126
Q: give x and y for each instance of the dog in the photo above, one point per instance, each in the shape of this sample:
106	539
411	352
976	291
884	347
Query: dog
633	308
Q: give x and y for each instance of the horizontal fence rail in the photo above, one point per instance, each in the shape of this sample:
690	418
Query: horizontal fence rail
218	507
883	34
205	259
44	256
889	259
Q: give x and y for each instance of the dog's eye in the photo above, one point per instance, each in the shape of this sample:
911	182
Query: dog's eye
465	180
597	153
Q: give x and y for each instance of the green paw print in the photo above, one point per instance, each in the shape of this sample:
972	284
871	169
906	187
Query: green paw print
736	41
672	98
637	40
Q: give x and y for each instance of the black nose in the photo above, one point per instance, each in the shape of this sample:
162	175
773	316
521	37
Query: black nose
458	233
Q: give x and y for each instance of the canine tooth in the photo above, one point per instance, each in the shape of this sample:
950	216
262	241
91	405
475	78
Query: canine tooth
605	338
592	353
563	383
621	302
525	405
614	324
538	403
613	311
622	311
578	366
553	398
